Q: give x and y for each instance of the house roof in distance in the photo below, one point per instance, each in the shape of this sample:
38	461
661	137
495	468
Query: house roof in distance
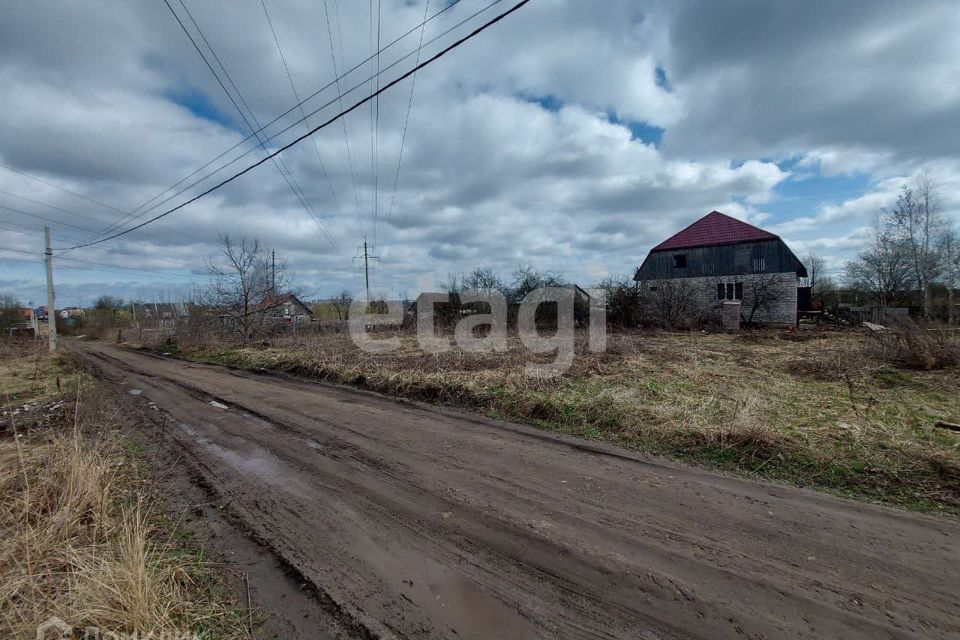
712	229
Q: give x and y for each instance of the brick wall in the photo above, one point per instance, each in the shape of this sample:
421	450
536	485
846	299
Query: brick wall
782	311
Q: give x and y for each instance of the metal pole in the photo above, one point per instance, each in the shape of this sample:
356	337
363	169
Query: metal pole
366	269
51	311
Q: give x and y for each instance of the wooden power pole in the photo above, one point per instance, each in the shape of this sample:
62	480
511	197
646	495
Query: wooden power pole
51	311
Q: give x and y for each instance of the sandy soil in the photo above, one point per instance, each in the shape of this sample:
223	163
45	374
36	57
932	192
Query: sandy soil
409	521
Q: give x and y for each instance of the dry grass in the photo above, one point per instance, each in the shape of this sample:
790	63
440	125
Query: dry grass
80	537
807	408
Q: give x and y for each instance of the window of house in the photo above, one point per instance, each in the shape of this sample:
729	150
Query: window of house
730	291
679	261
759	264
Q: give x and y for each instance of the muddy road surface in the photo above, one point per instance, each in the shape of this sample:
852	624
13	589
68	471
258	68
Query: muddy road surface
410	521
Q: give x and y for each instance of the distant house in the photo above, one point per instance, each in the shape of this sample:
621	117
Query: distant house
71	312
725	259
286	308
160	312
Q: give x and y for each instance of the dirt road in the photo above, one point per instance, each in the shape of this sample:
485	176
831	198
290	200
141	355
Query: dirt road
425	523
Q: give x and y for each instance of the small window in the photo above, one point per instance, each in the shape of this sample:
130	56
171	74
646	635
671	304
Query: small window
721	292
679	261
738	291
759	264
652	288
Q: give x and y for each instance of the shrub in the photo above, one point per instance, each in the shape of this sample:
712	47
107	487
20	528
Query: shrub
916	346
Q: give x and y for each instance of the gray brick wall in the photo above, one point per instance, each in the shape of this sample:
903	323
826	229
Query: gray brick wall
783	311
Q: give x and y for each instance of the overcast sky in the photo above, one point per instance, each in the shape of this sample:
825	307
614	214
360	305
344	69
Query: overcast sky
572	136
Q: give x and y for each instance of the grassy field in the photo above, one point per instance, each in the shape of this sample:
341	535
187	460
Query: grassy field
810	408
83	537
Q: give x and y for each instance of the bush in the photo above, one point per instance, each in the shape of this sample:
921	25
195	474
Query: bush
623	302
673	305
917	346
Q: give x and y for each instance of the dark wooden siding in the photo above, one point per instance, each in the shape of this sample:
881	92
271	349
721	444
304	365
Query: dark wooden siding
720	260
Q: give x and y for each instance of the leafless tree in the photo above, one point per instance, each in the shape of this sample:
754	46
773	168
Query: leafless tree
761	292
341	305
883	269
243	281
527	279
918	222
815	266
624	301
951	266
672	305
483	280
9	312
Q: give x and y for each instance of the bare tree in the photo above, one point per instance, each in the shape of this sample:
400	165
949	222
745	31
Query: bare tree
815	266
951	266
244	281
762	292
527	279
483	280
882	270
9	312
917	221
672	305
624	301
341	305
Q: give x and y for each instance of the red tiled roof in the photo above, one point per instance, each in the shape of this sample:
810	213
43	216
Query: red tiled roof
714	228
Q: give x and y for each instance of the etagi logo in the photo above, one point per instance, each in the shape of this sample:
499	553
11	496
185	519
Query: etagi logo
391	313
54	628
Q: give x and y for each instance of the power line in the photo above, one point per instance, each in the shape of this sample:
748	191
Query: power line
281	132
64	189
324	124
343	122
39	217
296	96
103	264
53	221
50	206
278	162
133	215
406	122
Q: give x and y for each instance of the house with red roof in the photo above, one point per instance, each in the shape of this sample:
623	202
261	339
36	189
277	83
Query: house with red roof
719	259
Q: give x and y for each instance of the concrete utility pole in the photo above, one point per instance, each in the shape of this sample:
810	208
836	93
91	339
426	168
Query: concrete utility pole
273	273
51	310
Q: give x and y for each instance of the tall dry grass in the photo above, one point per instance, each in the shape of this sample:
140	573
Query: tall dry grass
79	539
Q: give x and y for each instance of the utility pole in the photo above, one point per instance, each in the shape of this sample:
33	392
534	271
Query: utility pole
51	311
273	273
366	264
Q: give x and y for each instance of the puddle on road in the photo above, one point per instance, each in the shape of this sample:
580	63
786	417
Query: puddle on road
255	461
134	392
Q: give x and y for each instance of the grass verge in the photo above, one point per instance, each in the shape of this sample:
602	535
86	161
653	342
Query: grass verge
81	535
